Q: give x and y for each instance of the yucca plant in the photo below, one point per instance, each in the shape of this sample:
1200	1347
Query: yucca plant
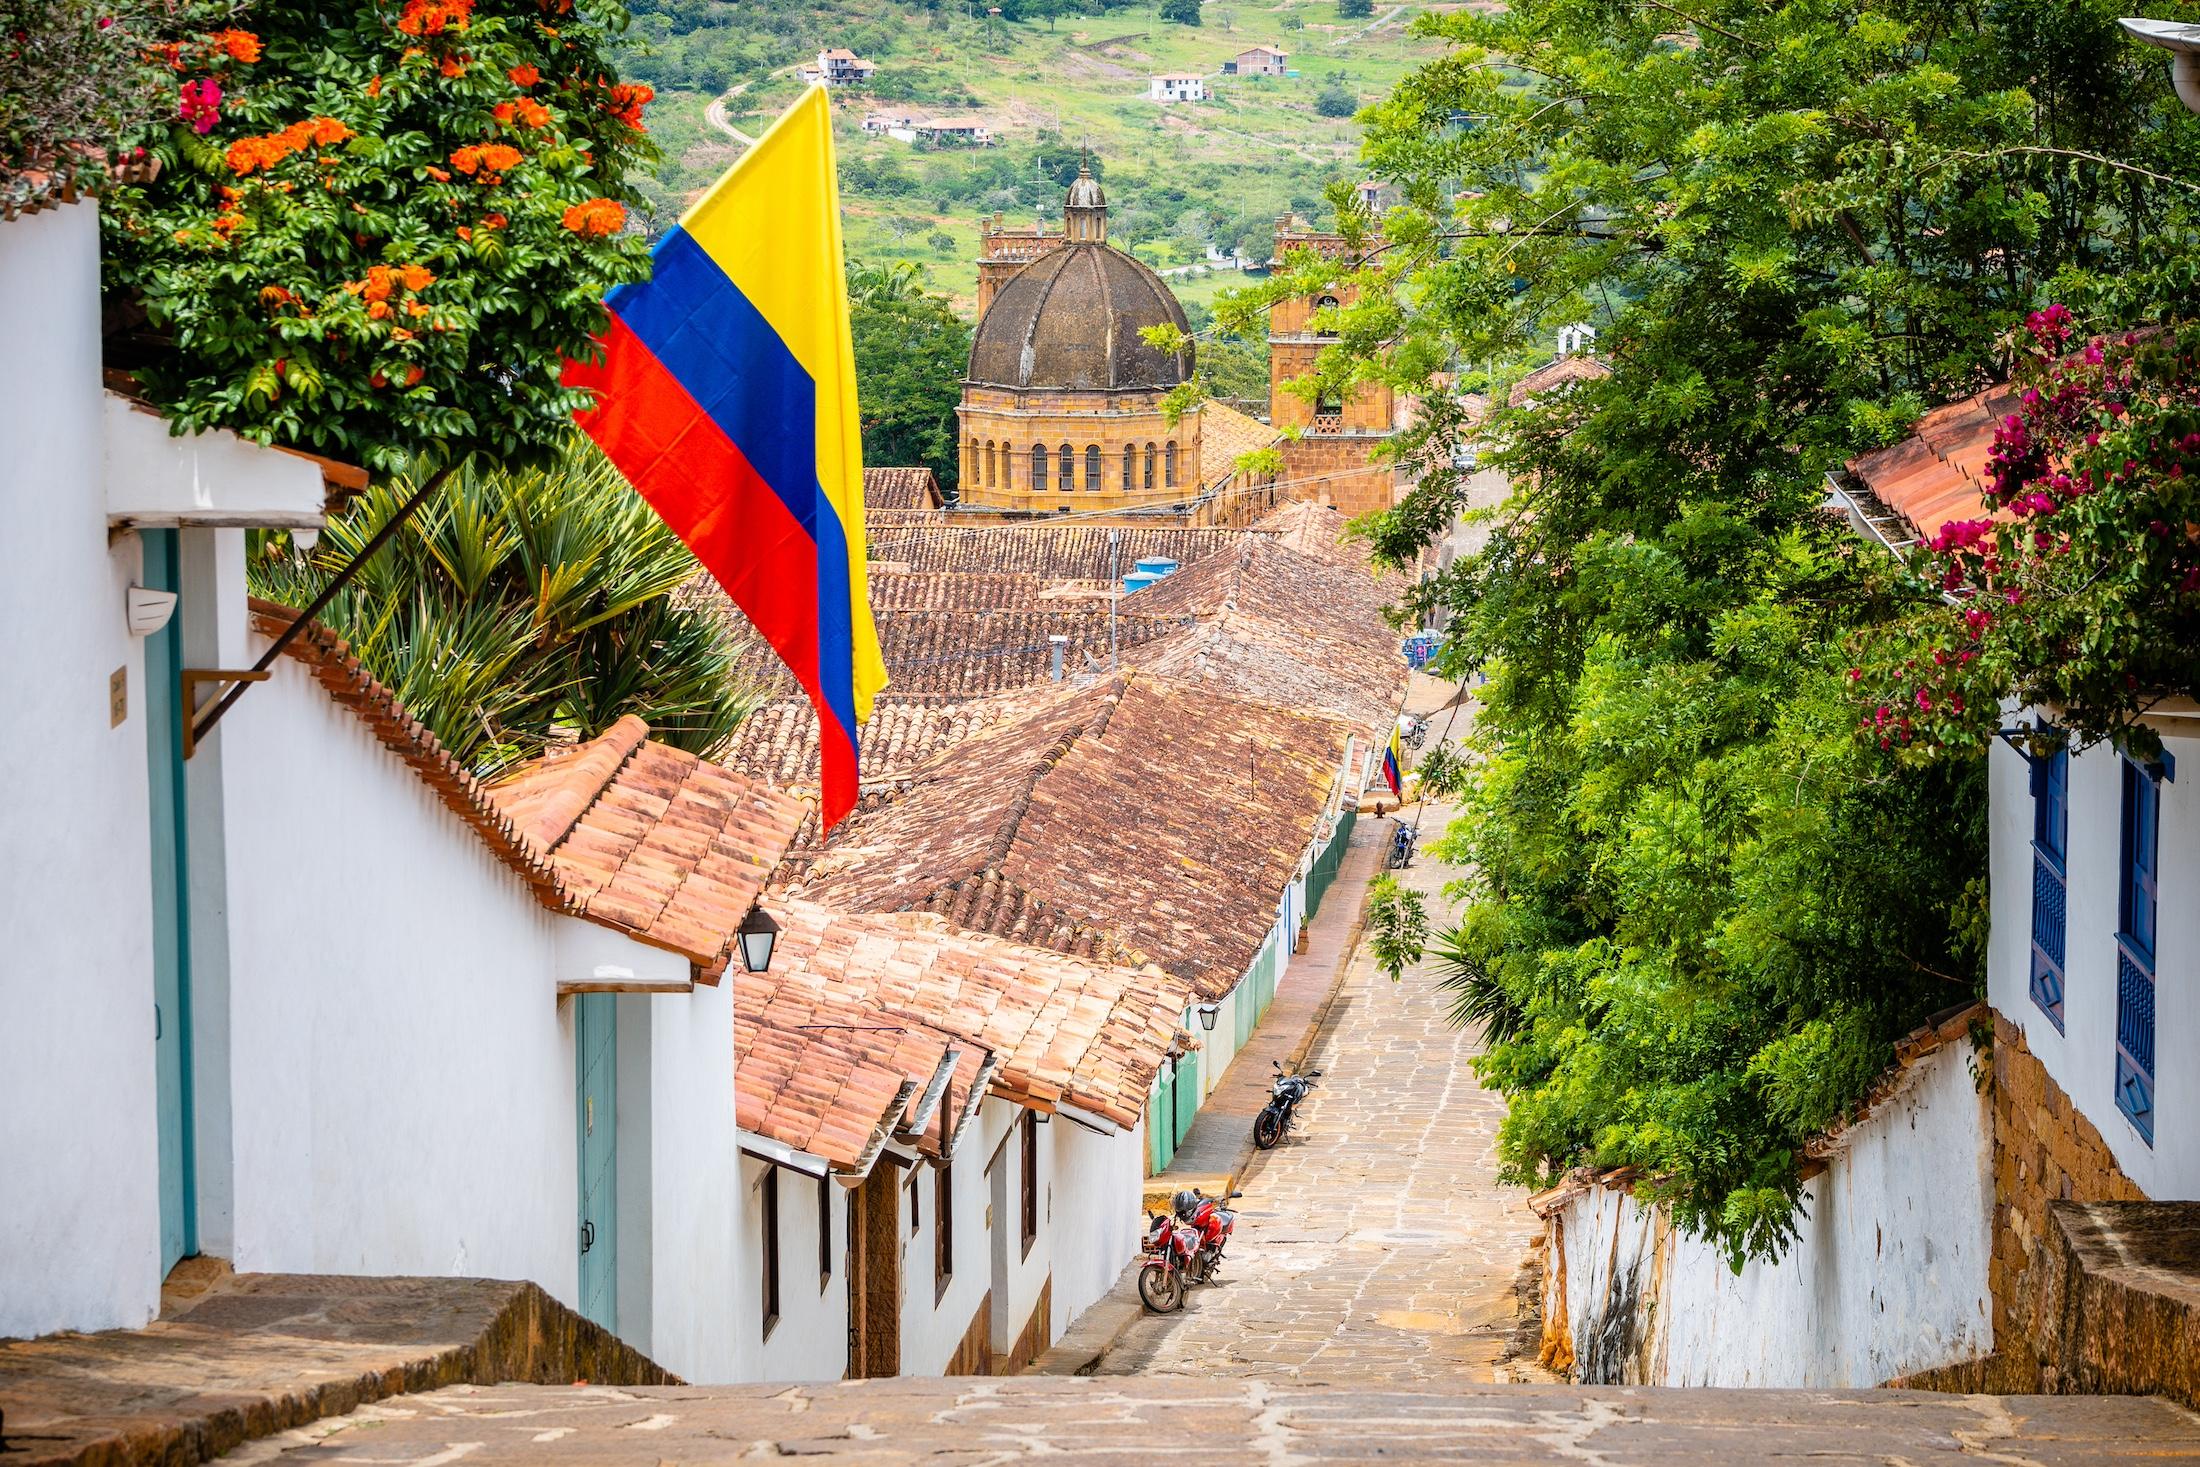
519	607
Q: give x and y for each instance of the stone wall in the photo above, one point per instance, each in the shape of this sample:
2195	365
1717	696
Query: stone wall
1333	469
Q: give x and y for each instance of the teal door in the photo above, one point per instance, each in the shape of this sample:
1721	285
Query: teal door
596	1056
162	696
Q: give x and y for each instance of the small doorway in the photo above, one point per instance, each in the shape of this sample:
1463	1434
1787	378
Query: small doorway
874	1275
164	791
596	1057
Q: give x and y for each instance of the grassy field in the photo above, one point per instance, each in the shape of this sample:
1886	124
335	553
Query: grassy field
1180	176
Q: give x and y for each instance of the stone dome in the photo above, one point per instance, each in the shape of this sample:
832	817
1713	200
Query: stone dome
1070	321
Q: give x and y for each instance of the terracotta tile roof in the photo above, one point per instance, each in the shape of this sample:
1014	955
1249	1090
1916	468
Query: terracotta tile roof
811	1091
1225	433
968	654
1067	1033
1139	816
950	1072
1315	598
899	489
1545	379
1251	658
777	742
893	590
633	835
1317	531
1938	473
653	840
1052	552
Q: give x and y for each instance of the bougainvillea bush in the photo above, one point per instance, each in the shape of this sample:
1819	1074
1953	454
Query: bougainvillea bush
2080	592
379	227
70	82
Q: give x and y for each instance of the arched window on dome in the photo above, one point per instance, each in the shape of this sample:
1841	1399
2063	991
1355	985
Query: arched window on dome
1151	452
985	473
1169	455
1092	466
970	462
1130	466
1068	467
1038	468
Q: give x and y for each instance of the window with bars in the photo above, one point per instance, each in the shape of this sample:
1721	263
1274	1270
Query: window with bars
2136	907
824	1232
2050	880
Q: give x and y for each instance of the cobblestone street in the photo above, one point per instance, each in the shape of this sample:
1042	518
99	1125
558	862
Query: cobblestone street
1374	1244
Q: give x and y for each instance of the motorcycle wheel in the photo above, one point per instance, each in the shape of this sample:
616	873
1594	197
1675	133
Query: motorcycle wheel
1200	1268
1268	1128
1161	1288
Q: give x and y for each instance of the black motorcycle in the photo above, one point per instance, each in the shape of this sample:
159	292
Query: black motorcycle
1284	1096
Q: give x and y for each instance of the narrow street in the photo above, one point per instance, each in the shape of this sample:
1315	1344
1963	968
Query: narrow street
1374	1243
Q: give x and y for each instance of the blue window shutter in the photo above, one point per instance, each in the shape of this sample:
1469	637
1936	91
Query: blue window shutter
2140	852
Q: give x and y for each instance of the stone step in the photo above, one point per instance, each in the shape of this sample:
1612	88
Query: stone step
1151	1419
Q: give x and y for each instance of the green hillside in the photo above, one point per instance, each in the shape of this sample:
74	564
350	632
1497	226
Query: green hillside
1181	176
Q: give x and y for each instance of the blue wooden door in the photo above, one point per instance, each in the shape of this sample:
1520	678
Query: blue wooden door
164	713
596	1052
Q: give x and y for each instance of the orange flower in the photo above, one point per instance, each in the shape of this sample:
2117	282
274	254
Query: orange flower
381	280
415	310
433	17
417	277
181	236
401	334
596	216
494	221
438	174
378	380
379	309
465	233
227	225
413	376
274	295
238	45
467	160
374	88
454	66
533	113
524	76
328	131
499	157
503	111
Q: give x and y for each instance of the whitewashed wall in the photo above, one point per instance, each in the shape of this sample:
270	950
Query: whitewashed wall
810	1341
401	1071
1017	1276
2082	1058
1096	1223
78	1128
1888	1276
933	1323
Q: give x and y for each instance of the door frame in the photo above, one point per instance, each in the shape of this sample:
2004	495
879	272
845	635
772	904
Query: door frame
596	1034
176	1122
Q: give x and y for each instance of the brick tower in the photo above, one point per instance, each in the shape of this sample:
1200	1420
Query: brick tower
1329	461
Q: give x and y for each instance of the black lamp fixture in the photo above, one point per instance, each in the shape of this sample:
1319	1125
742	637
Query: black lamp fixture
758	933
1208	1013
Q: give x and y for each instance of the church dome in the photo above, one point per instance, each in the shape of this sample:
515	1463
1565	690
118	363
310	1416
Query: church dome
1070	321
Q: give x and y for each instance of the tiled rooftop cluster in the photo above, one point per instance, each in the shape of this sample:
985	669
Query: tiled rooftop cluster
899	489
970	653
1139	815
1052	552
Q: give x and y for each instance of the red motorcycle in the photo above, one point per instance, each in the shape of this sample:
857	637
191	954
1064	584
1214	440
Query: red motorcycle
1183	1246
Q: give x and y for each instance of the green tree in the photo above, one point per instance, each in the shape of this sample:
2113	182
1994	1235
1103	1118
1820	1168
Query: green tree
1355	9
911	351
1397	925
520	606
1181	12
1335	98
1703	905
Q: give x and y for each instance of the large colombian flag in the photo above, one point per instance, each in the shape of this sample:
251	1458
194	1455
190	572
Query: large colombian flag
727	396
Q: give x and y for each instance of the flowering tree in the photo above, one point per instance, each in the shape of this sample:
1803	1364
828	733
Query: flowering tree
2081	591
379	227
69	83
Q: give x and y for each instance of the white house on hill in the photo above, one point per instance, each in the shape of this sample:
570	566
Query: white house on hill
1178	86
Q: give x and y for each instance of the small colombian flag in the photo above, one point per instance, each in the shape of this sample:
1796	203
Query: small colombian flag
1394	763
727	396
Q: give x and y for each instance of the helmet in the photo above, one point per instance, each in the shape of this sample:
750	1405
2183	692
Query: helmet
1186	1203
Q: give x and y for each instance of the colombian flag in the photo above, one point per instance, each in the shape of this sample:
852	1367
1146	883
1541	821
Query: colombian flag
1394	763
727	396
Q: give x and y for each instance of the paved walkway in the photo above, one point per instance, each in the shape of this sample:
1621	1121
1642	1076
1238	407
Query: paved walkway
966	1422
1373	1245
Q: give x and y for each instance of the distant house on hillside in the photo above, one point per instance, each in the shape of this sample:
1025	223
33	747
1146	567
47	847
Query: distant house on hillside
841	67
1178	86
1257	61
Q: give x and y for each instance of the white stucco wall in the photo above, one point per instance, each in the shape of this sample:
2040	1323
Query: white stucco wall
810	1341
1096	1224
933	1323
401	1073
1018	1276
2081	1058
1887	1277
78	1129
